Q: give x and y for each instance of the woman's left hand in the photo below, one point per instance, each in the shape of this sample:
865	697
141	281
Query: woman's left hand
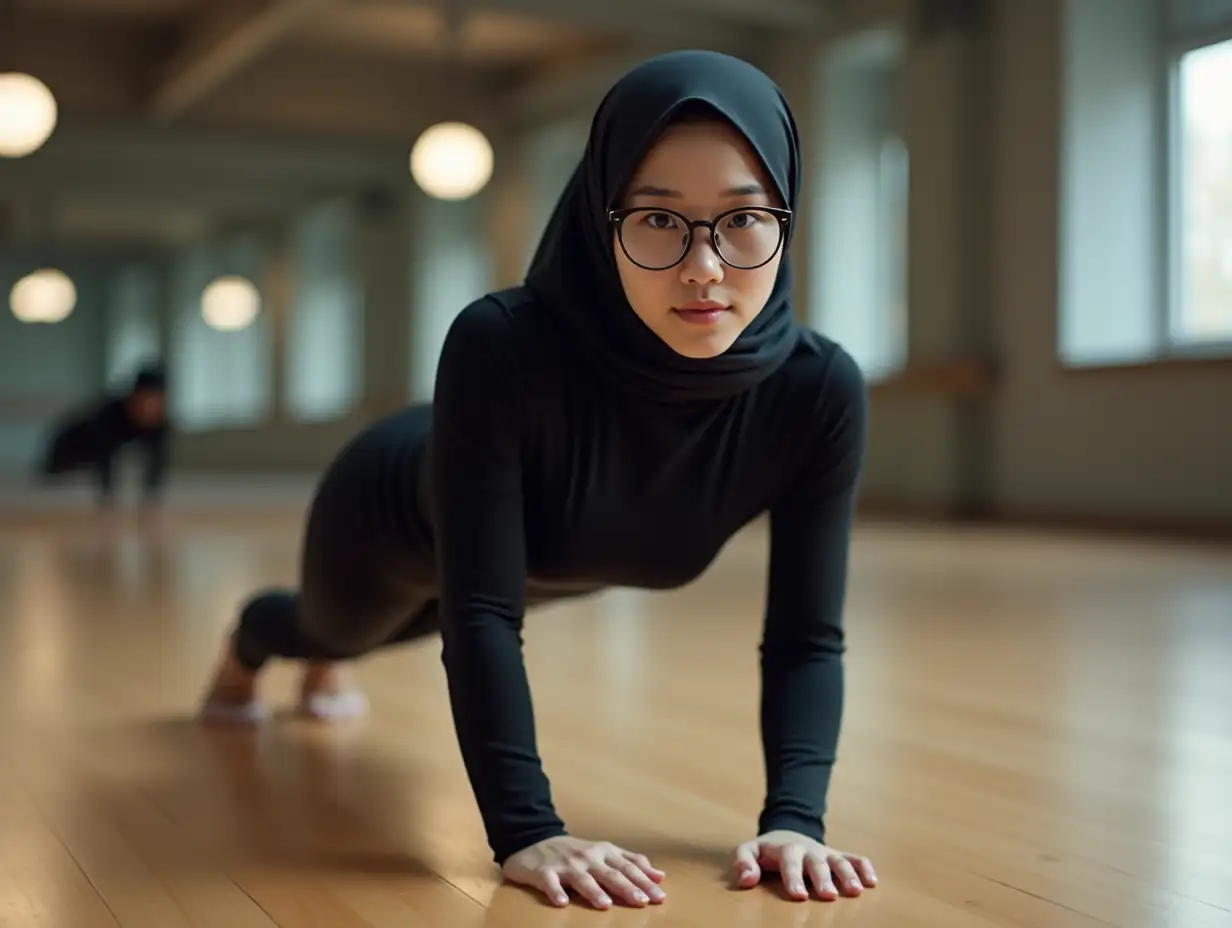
800	860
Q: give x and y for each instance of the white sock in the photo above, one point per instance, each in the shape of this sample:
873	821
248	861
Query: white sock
348	704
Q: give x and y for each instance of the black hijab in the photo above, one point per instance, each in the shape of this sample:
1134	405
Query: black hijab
574	271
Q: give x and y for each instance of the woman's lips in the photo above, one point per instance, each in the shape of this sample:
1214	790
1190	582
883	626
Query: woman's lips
702	312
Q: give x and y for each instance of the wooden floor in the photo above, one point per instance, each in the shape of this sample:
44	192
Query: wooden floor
1039	735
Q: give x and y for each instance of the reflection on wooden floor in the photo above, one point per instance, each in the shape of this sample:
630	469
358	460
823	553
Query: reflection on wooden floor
1039	734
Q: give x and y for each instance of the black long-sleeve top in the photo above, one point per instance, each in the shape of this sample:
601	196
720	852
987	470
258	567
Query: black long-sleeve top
543	473
91	438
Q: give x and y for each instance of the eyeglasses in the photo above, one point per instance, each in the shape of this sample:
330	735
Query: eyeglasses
744	238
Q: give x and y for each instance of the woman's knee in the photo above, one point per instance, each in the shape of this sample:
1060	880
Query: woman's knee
269	627
350	627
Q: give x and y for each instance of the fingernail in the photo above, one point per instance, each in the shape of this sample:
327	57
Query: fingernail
657	894
604	900
640	897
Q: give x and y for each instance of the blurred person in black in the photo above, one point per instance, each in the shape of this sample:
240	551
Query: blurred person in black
90	439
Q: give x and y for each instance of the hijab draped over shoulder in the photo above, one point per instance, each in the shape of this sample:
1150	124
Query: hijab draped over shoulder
574	272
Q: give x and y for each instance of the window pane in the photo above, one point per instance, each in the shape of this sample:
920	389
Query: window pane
1205	310
133	322
857	278
325	325
892	183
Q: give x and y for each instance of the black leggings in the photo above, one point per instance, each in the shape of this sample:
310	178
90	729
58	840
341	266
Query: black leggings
367	572
367	566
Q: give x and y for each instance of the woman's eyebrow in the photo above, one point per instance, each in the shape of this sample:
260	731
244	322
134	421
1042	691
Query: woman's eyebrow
650	190
745	190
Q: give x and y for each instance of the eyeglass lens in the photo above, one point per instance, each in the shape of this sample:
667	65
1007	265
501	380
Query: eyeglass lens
654	238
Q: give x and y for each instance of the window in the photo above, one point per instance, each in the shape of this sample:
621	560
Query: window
858	267
133	322
551	154
325	326
222	379
1201	305
1146	207
1112	245
453	268
892	174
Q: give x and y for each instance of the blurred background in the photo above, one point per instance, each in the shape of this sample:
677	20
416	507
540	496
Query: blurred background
1018	217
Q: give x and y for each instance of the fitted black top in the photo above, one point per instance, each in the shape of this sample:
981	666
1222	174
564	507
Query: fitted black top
92	437
545	473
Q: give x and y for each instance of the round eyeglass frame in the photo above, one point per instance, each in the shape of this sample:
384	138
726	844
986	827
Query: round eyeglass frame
617	217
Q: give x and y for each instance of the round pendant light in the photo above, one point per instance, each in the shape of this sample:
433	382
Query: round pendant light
230	303
452	161
47	296
28	114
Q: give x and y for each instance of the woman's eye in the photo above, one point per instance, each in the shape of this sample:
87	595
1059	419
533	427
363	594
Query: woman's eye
660	221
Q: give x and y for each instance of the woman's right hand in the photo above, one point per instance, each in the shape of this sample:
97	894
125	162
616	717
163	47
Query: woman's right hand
596	870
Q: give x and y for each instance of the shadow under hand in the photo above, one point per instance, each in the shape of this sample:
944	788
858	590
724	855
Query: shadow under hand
515	906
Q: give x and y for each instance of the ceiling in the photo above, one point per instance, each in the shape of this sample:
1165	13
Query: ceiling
179	114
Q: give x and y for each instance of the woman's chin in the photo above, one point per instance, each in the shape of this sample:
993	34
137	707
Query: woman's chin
690	340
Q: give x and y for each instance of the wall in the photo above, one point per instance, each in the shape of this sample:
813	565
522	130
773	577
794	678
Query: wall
46	369
1140	443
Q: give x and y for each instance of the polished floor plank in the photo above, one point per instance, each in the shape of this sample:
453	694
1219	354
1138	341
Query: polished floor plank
1037	735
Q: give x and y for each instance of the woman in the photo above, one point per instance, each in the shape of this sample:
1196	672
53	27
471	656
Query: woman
614	421
90	439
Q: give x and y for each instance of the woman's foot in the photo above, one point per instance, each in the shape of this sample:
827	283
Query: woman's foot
232	697
328	693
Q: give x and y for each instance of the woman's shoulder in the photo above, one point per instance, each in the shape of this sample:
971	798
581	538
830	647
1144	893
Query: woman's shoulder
825	374
498	334
824	398
494	319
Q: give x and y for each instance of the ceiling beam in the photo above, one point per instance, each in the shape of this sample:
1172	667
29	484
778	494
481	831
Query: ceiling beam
146	173
228	36
639	20
777	14
113	190
558	95
574	91
186	154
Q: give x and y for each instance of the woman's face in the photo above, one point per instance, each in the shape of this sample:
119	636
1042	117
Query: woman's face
701	305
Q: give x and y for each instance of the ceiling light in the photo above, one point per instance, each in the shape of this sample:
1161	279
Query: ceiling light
452	161
230	303
28	114
46	296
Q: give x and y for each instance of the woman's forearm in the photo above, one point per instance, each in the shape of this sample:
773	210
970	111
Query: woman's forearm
478	515
801	714
494	720
804	640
